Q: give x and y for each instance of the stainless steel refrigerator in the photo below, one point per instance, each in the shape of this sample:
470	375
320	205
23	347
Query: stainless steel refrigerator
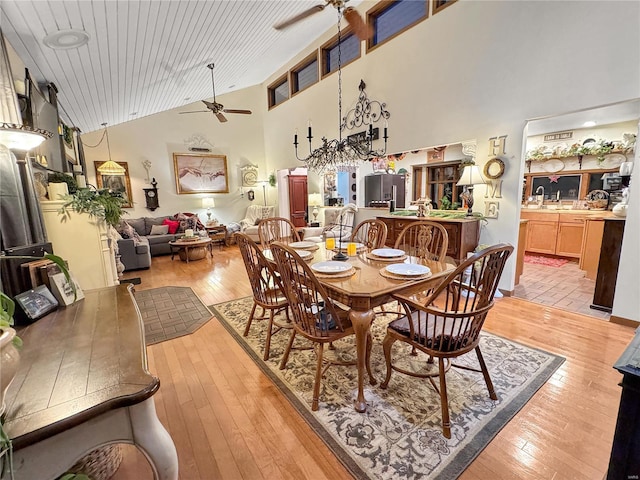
379	188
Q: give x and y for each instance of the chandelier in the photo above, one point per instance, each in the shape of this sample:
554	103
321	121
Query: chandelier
340	154
110	167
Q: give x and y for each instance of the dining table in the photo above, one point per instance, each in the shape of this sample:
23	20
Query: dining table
367	288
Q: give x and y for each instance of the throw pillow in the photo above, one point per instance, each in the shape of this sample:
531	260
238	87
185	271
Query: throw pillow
159	229
172	224
188	223
129	232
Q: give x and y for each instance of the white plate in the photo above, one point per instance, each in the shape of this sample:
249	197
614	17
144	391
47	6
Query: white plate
408	269
331	267
553	165
387	252
304	254
343	246
613	160
302	245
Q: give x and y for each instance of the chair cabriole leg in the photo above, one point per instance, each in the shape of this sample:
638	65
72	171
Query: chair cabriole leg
386	347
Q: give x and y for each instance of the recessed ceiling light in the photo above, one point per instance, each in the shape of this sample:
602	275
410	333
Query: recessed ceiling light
133	113
66	39
590	123
187	98
231	86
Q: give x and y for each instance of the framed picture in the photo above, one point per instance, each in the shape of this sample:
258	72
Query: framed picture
62	288
36	303
201	173
380	164
116	183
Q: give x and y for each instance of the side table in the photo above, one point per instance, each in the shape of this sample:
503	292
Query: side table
218	234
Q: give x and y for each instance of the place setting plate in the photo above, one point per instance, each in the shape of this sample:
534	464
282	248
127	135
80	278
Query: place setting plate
387	255
405	271
332	269
304	245
305	254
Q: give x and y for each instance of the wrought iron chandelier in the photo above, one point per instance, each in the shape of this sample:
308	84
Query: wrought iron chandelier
342	153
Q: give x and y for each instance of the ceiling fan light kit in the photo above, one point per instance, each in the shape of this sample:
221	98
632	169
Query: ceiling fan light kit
217	108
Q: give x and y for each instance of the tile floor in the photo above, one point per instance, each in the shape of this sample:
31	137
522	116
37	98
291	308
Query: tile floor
563	287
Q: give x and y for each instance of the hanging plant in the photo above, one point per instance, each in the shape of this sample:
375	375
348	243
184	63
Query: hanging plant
67	135
102	204
272	179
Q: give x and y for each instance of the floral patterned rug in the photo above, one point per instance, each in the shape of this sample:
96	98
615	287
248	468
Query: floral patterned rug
400	435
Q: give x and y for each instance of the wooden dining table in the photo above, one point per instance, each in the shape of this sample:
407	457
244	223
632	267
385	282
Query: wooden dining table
366	289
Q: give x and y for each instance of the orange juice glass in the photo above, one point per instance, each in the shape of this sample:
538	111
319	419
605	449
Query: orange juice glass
330	243
351	249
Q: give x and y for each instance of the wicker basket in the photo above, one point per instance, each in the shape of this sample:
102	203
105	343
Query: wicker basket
99	464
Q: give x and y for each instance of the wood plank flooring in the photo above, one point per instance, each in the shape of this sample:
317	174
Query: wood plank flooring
229	421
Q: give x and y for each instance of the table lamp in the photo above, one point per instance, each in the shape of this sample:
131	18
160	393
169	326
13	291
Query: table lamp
208	203
470	176
315	200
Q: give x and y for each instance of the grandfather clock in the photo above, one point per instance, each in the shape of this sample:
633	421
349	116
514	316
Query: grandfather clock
151	196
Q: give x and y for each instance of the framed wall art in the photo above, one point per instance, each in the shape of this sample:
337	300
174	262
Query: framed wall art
116	183
201	173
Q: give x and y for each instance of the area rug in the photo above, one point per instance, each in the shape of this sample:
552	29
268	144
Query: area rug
400	435
170	312
548	261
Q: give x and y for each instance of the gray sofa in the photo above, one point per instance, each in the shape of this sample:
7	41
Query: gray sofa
136	253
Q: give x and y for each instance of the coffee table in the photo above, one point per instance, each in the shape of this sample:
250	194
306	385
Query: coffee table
190	250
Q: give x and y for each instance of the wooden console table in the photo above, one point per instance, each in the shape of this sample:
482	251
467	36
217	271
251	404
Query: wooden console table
464	234
83	383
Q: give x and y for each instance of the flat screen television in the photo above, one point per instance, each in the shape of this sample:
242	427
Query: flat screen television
45	117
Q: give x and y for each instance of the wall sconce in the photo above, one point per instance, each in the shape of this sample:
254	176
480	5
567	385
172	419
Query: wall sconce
470	176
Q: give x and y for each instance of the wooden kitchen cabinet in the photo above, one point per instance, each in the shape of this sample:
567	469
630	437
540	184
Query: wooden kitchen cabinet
464	234
591	244
542	232
570	233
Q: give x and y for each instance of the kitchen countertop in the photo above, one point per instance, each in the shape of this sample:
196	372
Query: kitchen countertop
590	213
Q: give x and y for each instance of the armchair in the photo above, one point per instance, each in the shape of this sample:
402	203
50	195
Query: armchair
333	218
255	213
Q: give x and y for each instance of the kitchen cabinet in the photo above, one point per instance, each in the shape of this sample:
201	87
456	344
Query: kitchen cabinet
464	234
608	264
555	233
591	244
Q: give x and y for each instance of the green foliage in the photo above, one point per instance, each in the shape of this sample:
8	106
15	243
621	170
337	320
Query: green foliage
59	177
272	179
445	204
102	205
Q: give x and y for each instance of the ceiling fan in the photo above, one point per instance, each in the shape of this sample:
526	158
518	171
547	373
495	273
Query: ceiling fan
215	107
350	14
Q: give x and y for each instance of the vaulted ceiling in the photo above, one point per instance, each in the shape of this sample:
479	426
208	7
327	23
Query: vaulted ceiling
145	57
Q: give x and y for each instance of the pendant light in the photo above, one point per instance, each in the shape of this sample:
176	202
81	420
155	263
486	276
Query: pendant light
110	167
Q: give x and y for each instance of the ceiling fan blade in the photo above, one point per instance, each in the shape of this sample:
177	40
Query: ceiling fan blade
357	23
231	110
296	18
221	117
196	111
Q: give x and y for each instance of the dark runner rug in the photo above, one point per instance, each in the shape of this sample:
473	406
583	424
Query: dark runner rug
400	434
170	312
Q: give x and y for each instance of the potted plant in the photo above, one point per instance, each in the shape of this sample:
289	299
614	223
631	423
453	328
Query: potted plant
101	204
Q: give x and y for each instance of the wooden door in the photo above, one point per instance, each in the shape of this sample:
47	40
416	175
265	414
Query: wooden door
569	239
298	200
541	237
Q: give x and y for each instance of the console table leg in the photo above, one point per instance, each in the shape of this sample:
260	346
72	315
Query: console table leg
150	436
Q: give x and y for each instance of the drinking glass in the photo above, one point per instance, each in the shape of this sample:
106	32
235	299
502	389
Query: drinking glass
330	243
351	249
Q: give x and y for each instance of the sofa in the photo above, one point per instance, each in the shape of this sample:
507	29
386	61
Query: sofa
139	238
338	223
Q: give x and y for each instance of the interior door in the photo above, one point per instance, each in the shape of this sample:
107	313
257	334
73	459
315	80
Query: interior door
298	200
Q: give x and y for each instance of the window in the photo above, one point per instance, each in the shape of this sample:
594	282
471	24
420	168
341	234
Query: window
278	92
440	4
392	18
305	74
437	182
349	51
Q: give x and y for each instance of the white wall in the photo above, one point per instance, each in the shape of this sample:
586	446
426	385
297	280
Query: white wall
157	137
477	70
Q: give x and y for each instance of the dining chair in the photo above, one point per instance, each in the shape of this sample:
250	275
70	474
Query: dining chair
424	239
277	229
372	233
314	315
267	290
447	323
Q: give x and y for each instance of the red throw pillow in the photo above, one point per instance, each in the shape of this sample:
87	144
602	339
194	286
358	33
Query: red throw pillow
173	225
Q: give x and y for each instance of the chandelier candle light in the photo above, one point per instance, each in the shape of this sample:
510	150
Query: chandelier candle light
470	176
341	153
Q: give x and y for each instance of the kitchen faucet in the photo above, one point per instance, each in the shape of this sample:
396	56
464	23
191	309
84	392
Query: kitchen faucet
539	196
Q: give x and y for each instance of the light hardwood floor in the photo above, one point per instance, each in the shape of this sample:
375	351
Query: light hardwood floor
229	421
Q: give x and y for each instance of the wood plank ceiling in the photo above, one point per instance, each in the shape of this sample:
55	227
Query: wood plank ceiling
145	57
